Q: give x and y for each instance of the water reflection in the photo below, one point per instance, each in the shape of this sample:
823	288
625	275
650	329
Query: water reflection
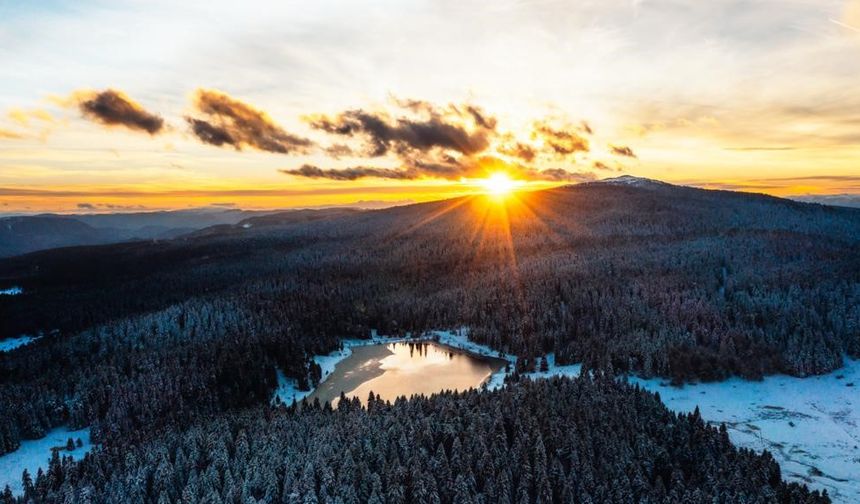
404	369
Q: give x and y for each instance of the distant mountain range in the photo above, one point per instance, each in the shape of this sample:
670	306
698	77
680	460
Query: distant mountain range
31	233
23	234
845	200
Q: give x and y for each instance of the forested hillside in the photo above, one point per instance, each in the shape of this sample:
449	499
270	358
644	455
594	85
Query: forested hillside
145	338
564	441
656	278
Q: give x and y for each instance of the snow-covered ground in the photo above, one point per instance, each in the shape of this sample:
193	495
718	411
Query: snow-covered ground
811	425
10	344
11	291
288	390
37	453
630	180
460	339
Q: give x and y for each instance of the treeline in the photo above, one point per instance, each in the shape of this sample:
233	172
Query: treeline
589	440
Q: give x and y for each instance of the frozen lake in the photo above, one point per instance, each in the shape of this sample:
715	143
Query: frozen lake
403	369
810	425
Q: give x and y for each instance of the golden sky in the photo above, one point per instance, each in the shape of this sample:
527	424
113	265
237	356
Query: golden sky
132	104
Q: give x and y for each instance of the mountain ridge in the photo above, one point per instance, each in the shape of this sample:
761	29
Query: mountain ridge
719	248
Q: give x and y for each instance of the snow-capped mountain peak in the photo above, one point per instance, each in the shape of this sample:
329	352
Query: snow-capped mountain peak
631	180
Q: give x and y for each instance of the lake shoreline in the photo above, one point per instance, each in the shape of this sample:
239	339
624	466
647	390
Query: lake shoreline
363	368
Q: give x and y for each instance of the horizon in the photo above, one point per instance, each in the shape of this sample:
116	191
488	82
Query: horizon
837	200
129	106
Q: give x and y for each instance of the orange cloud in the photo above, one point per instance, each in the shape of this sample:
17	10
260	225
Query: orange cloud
23	117
10	135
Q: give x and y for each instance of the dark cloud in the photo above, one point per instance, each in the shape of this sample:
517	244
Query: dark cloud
231	122
470	112
114	108
600	165
110	206
351	173
586	128
413	167
519	150
562	175
337	151
561	141
481	118
446	142
209	133
622	150
466	129
474	168
450	169
123	207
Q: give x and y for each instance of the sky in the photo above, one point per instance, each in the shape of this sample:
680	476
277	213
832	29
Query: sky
133	104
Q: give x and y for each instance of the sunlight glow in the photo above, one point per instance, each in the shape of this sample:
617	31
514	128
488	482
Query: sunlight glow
498	184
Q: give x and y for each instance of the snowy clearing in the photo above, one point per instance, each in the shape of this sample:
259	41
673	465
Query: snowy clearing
37	453
811	425
11	291
9	344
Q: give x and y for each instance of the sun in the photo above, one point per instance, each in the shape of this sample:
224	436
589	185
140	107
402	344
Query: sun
498	184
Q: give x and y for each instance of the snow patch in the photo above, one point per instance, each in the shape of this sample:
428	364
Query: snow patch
288	389
460	339
630	180
9	344
569	370
11	291
33	454
810	425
